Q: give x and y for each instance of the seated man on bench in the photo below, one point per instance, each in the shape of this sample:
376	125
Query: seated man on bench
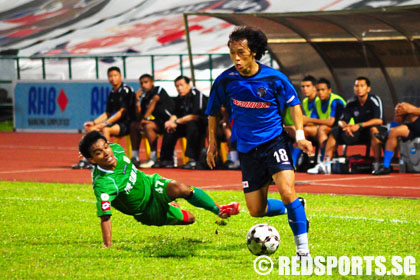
410	130
367	112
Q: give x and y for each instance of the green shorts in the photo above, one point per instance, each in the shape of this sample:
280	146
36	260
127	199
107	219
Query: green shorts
158	211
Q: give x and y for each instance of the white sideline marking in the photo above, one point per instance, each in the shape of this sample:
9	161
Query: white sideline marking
363	186
350	178
396	221
34	170
43	199
37	147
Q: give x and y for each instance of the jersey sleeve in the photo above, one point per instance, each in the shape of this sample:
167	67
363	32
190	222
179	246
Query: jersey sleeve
347	113
199	103
377	107
125	100
290	94
217	98
336	108
105	191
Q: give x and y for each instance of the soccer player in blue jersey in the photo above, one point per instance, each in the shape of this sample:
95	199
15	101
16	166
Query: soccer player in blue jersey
256	95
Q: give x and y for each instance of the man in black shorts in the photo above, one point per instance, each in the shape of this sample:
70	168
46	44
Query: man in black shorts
366	111
410	130
153	108
115	121
189	120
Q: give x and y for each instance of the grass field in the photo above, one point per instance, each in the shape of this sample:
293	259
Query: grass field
51	231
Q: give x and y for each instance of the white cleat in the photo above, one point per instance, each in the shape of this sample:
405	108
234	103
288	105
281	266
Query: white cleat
147	164
320	168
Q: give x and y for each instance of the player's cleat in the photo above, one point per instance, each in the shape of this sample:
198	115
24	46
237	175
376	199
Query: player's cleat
191	164
302	254
303	201
228	210
232	165
320	168
82	164
135	161
382	170
147	164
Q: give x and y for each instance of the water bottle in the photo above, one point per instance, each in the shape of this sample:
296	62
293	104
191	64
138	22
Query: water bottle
402	166
175	158
327	165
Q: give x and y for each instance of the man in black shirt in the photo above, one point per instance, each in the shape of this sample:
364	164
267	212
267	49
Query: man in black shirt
366	111
153	109
189	120
115	121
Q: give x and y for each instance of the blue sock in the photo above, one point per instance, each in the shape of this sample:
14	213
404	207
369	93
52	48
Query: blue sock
297	217
387	158
275	207
322	154
295	155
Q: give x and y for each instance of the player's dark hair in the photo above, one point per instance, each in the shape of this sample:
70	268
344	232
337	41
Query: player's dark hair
324	81
182	77
113	68
87	141
257	41
146	76
309	78
365	79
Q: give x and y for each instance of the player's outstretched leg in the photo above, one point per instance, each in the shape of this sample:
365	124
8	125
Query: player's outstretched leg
197	197
295	211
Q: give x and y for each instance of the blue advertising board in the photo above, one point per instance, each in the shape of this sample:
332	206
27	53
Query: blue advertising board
59	106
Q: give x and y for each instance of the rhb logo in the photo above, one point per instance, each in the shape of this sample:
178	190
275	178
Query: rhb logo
44	100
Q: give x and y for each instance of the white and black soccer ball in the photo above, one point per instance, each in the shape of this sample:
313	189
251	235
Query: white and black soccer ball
262	239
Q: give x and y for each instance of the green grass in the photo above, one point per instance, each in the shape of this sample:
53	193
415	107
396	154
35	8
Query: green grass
6	126
50	231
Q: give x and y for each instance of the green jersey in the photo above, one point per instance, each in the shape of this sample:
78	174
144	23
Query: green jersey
125	188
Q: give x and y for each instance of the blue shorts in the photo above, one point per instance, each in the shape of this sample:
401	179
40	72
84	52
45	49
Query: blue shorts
261	163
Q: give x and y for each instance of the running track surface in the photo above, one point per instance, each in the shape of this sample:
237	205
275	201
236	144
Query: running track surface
47	157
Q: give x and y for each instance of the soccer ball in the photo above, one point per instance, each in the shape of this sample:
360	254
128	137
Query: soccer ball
263	239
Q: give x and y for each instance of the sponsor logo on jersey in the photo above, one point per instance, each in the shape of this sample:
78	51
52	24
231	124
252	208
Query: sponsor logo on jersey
261	91
104	196
245	184
106	205
251	104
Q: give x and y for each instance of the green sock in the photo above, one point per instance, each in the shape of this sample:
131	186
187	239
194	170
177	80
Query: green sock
201	199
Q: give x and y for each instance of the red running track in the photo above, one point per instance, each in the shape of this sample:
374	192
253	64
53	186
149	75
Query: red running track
47	157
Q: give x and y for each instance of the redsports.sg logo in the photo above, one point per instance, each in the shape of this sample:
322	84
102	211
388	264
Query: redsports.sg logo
106	205
250	104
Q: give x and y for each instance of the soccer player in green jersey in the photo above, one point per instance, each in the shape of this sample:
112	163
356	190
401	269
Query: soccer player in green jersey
148	198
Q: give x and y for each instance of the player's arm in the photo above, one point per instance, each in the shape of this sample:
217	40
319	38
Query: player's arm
97	121
138	105
329	121
106	227
405	108
115	117
187	118
297	117
212	150
152	106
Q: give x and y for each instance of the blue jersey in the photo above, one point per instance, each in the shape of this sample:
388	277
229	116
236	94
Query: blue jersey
256	104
